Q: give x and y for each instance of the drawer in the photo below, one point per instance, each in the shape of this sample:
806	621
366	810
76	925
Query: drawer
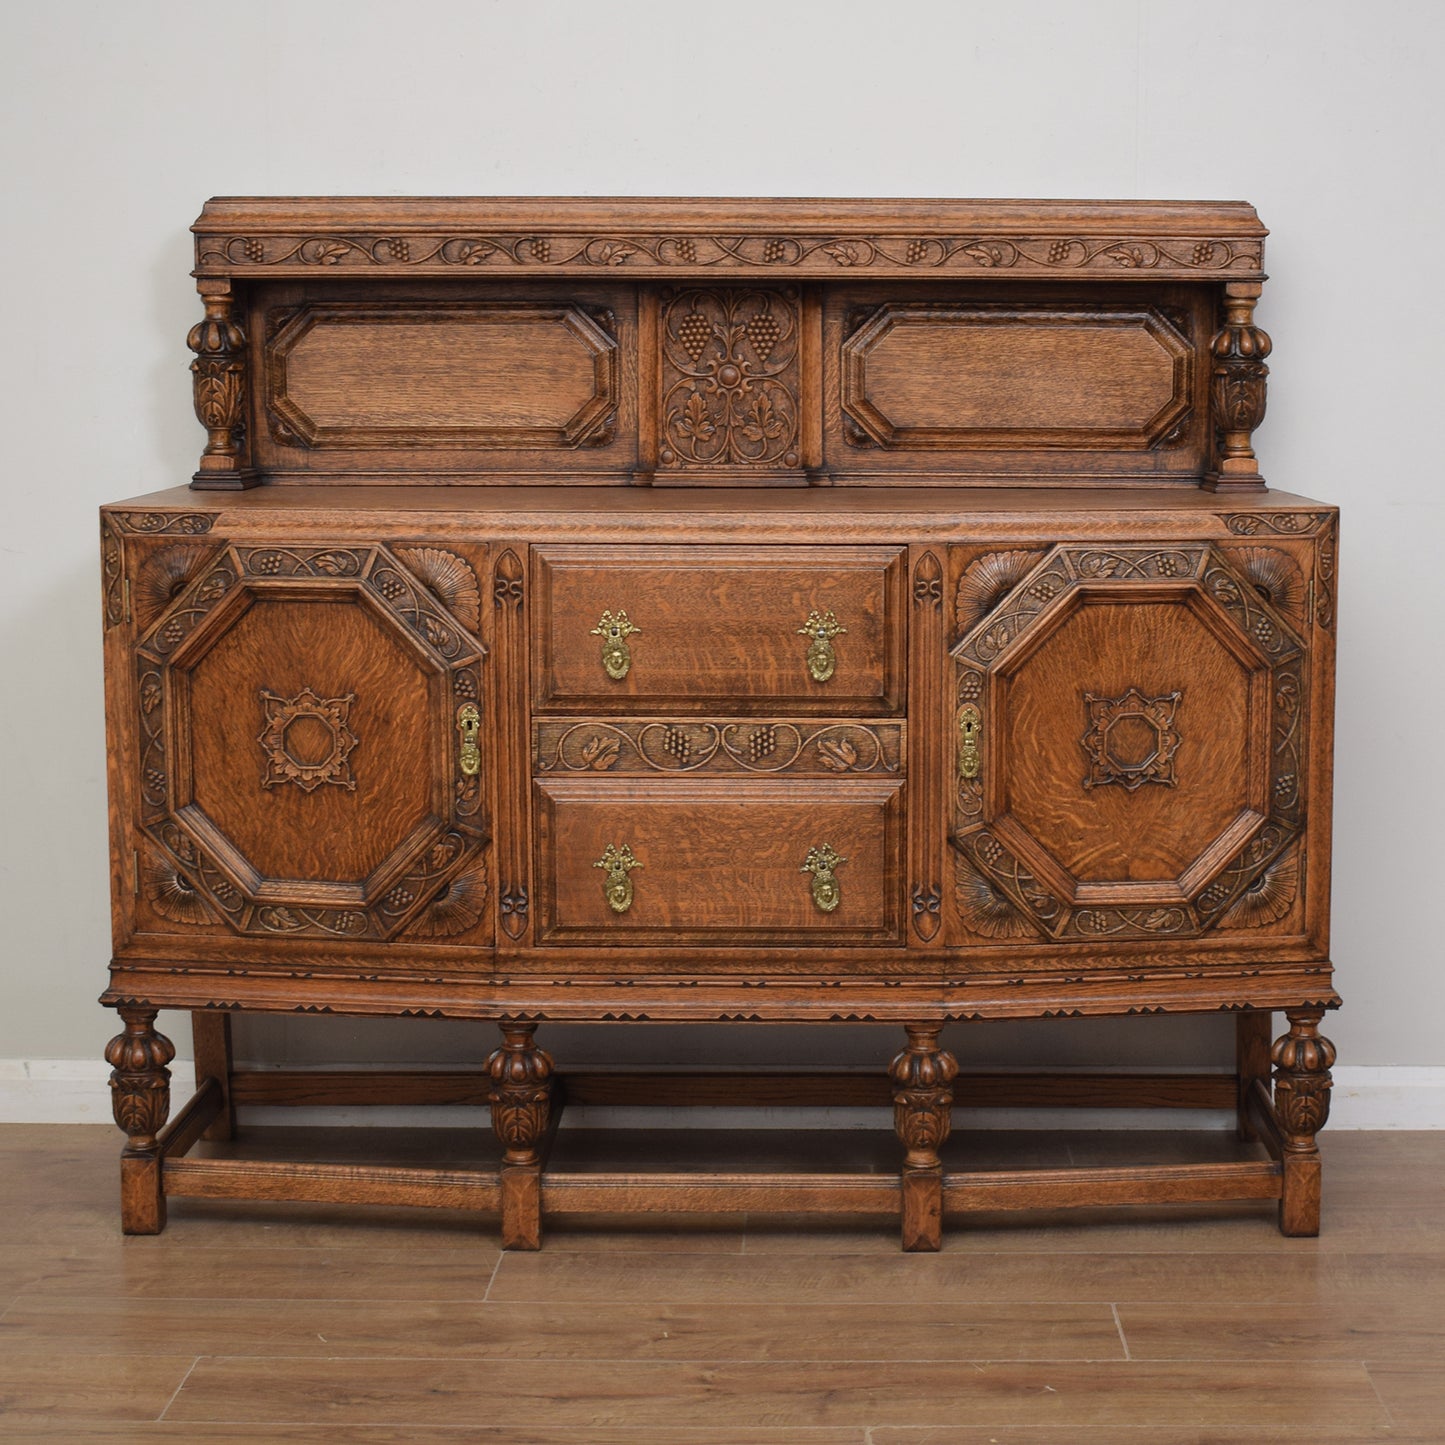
698	628
718	861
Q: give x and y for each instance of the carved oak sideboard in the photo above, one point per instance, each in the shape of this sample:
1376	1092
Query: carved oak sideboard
805	612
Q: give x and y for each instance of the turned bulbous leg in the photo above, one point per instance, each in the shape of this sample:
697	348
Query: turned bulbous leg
521	1100
1302	1059
140	1085
922	1077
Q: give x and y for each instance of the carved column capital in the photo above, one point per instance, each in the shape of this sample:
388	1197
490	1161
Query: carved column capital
922	1077
520	1092
1238	385
1302	1059
140	1082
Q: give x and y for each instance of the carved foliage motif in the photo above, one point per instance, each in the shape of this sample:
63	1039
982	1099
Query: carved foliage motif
186	524
1302	1061
314	716
520	1092
922	1077
307	740
1239	349
687	745
1325	575
140	1082
1285	524
730	379
512	908
638	251
112	574
1015	598
218	379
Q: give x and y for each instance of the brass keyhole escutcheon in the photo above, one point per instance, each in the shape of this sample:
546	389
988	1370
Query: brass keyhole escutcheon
614	632
821	862
820	629
617	886
469	755
970	731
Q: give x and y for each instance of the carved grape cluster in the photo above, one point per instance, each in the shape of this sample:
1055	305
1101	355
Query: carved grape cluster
677	743
541	249
763	331
253	249
773	250
398	250
762	742
1058	251
916	251
687	249
1202	253
693	332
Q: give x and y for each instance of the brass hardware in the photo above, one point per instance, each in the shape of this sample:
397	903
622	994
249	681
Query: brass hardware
469	720
821	628
821	862
617	887
614	632
970	730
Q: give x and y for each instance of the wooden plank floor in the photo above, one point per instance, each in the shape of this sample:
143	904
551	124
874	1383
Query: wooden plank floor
291	1323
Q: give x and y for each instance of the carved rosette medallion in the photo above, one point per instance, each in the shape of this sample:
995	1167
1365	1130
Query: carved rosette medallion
730	379
434	883
1007	603
520	1092
325	750
1130	740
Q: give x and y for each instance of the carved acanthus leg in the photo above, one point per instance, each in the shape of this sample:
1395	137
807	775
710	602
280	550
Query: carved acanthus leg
521	1100
140	1087
1252	1033
1238	391
922	1078
1302	1060
218	384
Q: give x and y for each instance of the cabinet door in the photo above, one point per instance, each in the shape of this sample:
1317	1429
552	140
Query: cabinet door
311	745
1129	734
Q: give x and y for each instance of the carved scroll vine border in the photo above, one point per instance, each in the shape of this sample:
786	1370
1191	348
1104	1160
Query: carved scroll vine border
1012	613
688	747
419	898
636	250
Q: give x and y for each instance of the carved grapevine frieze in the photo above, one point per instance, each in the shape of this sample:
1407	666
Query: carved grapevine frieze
1285	524
730	379
670	250
1325	575
186	524
112	575
695	746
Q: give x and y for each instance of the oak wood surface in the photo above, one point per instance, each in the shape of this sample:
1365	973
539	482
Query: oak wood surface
1338	1337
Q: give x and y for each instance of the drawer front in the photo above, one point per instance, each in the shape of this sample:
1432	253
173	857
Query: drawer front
697	628
719	861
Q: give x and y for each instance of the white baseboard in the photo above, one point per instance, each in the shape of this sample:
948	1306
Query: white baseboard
74	1091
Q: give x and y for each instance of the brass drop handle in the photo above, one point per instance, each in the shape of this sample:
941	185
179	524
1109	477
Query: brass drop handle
970	731
469	755
614	632
820	629
617	886
821	862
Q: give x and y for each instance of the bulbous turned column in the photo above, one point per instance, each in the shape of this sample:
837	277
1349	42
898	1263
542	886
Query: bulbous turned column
922	1077
1302	1059
140	1093
218	385
521	1100
1238	388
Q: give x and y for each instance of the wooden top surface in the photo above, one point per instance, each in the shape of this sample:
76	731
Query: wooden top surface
673	514
299	235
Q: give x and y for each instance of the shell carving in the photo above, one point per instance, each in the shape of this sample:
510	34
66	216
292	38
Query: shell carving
451	578
171	893
161	578
984	909
986	581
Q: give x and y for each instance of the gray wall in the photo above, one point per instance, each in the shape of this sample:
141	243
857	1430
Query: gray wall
118	120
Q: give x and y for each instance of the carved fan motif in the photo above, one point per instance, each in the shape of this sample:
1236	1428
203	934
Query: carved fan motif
170	893
456	908
984	909
986	581
1276	577
1268	898
451	578
161	578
